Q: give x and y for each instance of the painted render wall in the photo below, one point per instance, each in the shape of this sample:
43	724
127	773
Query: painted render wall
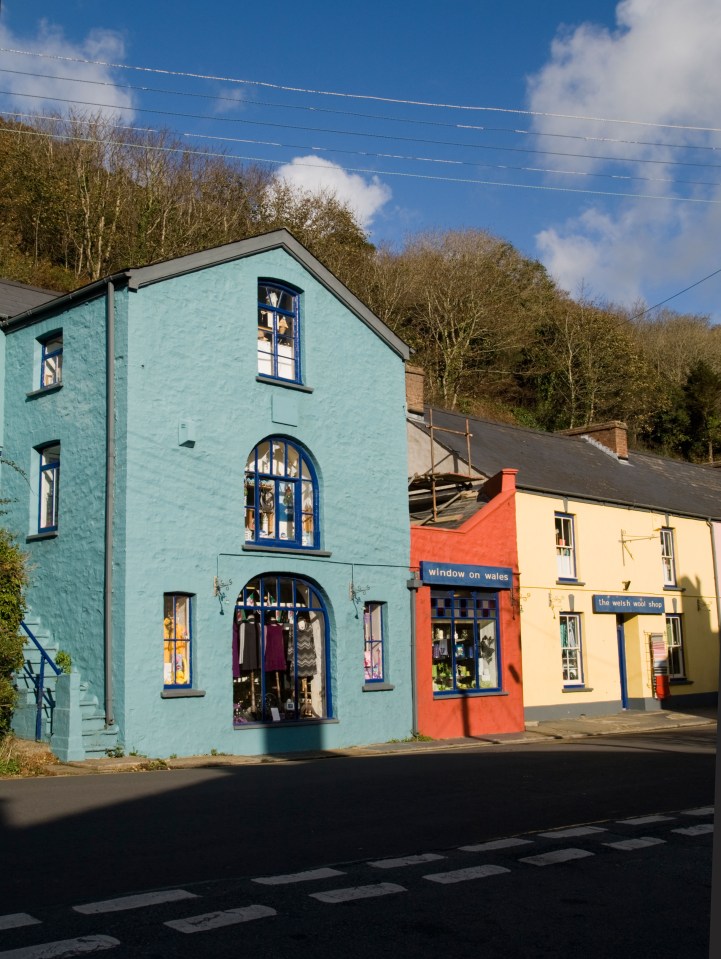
603	566
192	357
487	539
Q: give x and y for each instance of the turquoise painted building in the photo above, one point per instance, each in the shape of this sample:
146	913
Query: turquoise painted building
213	501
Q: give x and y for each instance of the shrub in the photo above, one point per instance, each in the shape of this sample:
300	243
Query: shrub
13	578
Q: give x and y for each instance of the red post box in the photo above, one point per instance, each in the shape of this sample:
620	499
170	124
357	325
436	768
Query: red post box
663	688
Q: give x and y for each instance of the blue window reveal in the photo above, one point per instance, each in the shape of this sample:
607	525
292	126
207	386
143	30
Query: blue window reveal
281	496
280	653
177	641
373	642
51	361
278	332
465	655
49	498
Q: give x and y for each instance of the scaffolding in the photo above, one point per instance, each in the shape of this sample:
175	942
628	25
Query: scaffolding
433	478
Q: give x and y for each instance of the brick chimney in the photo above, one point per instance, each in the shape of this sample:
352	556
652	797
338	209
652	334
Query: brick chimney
613	435
415	378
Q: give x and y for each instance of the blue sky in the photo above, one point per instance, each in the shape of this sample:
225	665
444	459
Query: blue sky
587	136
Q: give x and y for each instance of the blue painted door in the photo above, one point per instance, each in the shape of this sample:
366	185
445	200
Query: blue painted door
622	661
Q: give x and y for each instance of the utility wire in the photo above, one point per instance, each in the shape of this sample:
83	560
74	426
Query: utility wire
355	96
674	295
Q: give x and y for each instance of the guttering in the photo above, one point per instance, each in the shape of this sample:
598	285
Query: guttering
109	498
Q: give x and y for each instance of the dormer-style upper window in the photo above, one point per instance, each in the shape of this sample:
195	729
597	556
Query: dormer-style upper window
51	361
278	332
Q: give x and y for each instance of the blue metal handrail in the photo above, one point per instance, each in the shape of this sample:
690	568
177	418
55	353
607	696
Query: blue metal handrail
41	694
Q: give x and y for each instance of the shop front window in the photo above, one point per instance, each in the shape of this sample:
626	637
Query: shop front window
280	653
176	640
465	655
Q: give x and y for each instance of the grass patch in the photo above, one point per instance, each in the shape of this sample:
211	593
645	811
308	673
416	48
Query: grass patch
22	757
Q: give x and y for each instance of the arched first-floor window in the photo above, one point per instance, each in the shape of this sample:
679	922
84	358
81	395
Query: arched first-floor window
280	652
281	496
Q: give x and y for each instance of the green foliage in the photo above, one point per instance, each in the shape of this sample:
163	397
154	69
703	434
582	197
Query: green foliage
13	578
63	661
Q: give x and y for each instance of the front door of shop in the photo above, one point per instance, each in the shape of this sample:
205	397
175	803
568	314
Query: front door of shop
622	673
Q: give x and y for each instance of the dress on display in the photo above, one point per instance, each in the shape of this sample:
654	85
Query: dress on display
274	648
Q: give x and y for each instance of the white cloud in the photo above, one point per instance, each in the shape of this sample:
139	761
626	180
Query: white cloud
39	86
660	65
364	197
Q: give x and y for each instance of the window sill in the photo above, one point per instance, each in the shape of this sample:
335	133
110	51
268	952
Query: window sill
294	550
674	589
570	582
43	390
182	693
468	694
377	687
577	689
285	724
680	682
286	384
51	534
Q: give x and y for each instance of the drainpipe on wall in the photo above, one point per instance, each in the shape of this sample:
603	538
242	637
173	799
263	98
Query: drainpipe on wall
715	572
109	499
413	586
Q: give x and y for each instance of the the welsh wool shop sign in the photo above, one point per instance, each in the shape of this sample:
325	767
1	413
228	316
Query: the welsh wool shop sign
635	605
461	574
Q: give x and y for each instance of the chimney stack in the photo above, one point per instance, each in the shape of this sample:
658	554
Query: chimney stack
415	378
613	435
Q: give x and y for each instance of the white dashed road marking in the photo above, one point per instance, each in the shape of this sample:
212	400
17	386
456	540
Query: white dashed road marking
358	892
17	919
309	876
63	949
406	861
464	875
572	833
644	820
135	902
559	855
214	920
701	811
699	830
641	843
495	844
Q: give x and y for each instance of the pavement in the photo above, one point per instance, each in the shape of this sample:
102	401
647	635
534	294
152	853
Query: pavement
628	721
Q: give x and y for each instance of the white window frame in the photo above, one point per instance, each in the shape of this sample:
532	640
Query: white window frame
565	546
571	653
674	646
668	556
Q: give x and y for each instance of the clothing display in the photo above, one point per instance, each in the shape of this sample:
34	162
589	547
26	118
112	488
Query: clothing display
274	651
307	665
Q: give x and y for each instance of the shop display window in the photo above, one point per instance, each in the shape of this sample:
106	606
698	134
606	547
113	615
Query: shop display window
280	653
465	656
281	496
373	642
177	630
278	327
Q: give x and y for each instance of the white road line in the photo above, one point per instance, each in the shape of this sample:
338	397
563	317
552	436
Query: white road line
495	844
644	820
406	860
134	902
309	876
214	920
572	833
558	855
358	892
465	875
701	811
17	919
63	948
700	830
641	843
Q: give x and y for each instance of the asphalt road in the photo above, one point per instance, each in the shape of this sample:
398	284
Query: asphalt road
211	833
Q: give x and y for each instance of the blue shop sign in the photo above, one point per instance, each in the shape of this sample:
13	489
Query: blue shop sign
460	574
643	605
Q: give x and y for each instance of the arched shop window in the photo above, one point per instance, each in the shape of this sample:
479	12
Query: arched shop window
281	496
280	652
465	641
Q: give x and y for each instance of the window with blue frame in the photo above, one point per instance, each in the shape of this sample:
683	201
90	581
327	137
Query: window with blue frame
280	652
571	652
278	331
465	655
281	496
177	640
373	646
49	488
51	360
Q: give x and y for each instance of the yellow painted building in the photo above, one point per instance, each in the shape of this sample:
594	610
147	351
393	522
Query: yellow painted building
618	556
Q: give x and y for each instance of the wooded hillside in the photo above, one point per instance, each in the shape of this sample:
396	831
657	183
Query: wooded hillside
81	198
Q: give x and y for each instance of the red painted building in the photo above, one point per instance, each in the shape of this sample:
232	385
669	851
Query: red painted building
467	631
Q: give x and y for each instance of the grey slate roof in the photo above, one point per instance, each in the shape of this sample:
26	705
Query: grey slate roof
18	297
571	466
